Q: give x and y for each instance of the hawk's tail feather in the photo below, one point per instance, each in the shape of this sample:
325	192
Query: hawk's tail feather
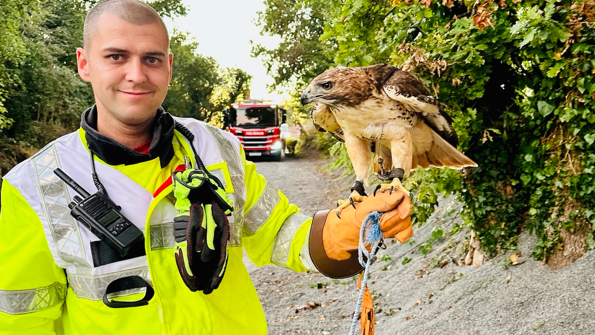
442	154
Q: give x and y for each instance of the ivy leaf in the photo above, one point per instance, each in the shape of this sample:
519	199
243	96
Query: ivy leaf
544	108
526	178
554	70
581	85
590	138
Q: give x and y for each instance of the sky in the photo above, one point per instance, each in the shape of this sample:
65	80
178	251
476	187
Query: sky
223	30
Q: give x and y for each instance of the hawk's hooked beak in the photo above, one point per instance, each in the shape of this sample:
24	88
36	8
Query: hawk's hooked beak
306	98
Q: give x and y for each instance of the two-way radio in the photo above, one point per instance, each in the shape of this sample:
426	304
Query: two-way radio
102	217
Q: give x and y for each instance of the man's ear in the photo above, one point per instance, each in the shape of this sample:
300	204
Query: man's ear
83	64
171	62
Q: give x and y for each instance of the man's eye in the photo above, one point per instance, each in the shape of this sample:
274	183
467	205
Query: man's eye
152	60
115	57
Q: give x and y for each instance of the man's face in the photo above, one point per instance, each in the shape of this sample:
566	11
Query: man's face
129	68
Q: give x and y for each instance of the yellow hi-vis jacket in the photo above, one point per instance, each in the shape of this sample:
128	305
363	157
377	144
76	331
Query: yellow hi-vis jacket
51	284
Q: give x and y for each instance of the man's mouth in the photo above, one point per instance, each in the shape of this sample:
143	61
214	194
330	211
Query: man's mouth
135	93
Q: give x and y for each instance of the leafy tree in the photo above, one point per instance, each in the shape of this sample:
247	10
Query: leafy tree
194	79
199	89
300	56
49	91
231	89
12	50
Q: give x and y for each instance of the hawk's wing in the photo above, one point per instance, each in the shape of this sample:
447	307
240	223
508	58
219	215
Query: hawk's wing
410	91
324	120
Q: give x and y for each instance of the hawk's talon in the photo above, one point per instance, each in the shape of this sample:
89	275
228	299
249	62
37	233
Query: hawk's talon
394	186
337	212
353	198
377	188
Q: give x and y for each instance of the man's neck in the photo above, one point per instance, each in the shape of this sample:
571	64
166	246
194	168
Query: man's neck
129	136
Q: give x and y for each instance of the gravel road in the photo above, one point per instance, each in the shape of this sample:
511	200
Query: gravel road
422	294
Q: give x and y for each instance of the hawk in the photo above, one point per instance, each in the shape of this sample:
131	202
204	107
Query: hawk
390	108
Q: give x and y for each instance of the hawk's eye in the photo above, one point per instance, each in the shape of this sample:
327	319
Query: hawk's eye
327	85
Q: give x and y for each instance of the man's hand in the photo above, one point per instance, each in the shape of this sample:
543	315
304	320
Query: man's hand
334	236
341	230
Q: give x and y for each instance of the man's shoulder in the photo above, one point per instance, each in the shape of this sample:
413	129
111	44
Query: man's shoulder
202	129
66	140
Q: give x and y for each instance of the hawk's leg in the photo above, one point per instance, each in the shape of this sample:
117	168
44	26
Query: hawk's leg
401	148
359	153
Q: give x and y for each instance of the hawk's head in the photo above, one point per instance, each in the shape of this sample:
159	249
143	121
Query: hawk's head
346	86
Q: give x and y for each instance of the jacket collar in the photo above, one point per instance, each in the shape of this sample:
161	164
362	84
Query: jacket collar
114	153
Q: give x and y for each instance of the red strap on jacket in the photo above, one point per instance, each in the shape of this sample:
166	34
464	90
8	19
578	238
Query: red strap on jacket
167	182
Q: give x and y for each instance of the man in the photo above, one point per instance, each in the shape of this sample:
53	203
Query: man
56	276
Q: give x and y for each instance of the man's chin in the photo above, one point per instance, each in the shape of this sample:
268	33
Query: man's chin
135	115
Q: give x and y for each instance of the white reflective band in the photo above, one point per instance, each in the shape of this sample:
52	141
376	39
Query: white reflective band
93	287
162	236
55	200
305	254
263	208
282	245
231	156
28	301
219	174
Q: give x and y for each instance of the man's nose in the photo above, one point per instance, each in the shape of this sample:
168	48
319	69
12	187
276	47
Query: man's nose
136	71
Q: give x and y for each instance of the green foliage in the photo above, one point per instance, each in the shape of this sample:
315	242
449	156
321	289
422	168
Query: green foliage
48	90
437	233
341	158
300	56
519	78
193	82
12	50
197	88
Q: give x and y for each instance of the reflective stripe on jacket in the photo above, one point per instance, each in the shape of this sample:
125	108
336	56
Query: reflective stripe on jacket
49	282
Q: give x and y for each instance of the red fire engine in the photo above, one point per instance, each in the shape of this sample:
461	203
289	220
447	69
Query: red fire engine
258	126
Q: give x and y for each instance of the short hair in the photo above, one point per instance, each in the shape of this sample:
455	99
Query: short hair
133	11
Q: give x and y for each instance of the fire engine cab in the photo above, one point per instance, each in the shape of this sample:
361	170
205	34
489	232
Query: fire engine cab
259	127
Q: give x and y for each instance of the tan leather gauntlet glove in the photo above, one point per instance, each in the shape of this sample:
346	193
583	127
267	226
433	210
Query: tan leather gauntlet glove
334	238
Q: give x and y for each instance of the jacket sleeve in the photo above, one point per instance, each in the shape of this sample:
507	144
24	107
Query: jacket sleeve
32	286
275	232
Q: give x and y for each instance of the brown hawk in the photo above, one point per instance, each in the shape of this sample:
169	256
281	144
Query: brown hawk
390	108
